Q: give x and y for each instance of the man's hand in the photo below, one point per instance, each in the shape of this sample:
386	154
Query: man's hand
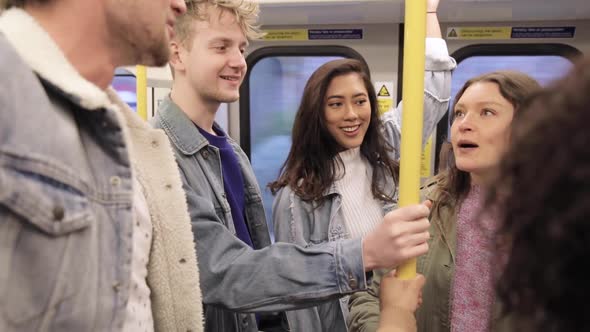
403	234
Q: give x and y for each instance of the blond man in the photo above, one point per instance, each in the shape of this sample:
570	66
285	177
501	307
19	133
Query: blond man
240	271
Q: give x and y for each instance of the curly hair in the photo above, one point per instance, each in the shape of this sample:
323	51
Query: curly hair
310	168
245	12
543	194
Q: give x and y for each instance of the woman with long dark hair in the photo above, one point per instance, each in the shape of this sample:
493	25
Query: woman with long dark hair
340	176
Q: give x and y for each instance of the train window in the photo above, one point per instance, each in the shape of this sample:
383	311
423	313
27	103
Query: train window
269	100
124	83
543	68
543	62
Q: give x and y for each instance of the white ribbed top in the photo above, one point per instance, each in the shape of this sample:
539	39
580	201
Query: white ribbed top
362	212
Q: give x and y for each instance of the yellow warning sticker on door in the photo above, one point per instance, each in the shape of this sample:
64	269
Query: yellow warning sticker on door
286	34
479	32
383	92
384	105
384	96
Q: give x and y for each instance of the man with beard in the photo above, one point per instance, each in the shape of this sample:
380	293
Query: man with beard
94	230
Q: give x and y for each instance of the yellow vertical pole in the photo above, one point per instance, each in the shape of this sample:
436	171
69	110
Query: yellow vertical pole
413	109
141	91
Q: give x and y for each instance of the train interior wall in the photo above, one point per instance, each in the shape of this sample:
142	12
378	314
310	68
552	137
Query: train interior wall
379	47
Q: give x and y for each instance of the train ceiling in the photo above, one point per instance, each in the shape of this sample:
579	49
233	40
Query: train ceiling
295	12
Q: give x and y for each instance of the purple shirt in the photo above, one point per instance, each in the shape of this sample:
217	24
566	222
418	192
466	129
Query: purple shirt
233	182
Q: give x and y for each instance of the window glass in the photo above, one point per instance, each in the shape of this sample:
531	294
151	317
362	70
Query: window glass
125	85
543	68
276	85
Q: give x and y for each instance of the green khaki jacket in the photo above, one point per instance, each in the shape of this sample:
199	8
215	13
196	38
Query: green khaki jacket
438	268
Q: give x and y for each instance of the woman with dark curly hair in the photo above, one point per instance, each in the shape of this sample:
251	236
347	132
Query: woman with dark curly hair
458	294
543	192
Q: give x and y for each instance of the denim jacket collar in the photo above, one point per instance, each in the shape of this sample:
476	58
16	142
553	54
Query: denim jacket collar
47	60
180	129
332	190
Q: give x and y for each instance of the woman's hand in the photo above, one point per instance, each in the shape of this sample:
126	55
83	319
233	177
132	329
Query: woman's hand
432	24
401	294
432	5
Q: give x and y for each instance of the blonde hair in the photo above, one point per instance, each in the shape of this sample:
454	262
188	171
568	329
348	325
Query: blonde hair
245	12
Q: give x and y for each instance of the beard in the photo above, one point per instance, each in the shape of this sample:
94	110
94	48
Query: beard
145	45
156	54
149	48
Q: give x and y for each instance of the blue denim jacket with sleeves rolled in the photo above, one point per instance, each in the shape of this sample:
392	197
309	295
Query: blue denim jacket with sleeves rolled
304	223
236	279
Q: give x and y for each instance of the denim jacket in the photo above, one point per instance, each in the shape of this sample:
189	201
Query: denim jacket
305	223
66	192
234	277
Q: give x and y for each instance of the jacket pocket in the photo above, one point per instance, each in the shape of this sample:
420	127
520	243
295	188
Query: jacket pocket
45	238
47	204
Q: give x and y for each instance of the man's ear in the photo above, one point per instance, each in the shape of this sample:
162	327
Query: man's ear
176	59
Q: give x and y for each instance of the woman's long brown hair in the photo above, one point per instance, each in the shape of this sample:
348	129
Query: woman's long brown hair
310	168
